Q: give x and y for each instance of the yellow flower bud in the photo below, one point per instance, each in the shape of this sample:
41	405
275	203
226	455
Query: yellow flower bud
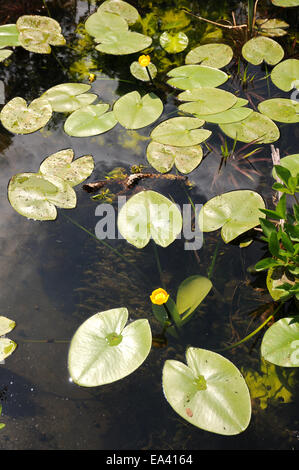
159	296
91	77
144	60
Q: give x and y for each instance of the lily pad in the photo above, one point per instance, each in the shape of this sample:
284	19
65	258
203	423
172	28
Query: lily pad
133	111
163	157
272	27
235	114
69	97
122	43
291	163
121	8
174	42
16	117
90	120
276	277
37	33
236	212
206	101
256	127
280	343
213	55
191	292
61	164
260	49
286	75
9	35
149	214
140	72
103	350
280	109
99	24
6	325
286	3
4	54
7	347
209	392
35	196
180	132
188	77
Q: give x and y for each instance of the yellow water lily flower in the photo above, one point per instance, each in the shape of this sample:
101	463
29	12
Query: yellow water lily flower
144	60
159	296
91	77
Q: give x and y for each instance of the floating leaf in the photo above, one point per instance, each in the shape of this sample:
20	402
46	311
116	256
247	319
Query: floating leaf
103	350
20	119
140	72
260	49
206	101
188	77
134	112
286	3
256	127
286	75
280	343
4	54
90	120
7	347
61	164
100	24
235	114
276	277
213	55
272	27
163	157
122	43
9	35
236	212
121	8
291	163
280	109
6	325
68	97
209	392
191	293
149	214
180	132
174	42
37	33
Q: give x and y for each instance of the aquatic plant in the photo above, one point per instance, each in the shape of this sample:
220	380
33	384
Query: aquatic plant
7	346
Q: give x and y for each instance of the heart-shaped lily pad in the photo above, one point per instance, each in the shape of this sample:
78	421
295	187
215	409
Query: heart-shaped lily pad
4	54
286	75
133	111
122	43
103	350
188	77
9	35
121	8
291	163
272	27
90	120
280	109
149	214
37	33
20	119
100	24
7	347
6	325
163	157
235	114
213	55
206	101
180	132
140	72
256	127
236	212
61	164
260	49
68	97
209	392
280	343
286	3
174	42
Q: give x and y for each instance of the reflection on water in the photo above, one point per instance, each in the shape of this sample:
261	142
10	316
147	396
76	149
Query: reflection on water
53	275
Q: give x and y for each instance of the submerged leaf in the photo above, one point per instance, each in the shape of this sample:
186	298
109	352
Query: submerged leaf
174	42
188	77
90	120
286	75
213	55
68	97
37	33
260	49
280	109
256	127
180	132
134	112
163	157
20	119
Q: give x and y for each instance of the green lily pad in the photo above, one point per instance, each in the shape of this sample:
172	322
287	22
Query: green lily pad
61	164
7	347
260	49
291	163
149	214
191	292
4	54
9	35
188	77
16	117
286	3
256	127
35	196
140	72
37	33
280	109
68	97
163	157
99	24
121	8
276	277
90	120
272	27
180	132
213	55
103	350
122	43
280	343
6	325
174	42
209	392
236	212
134	112
286	75
206	101
235	114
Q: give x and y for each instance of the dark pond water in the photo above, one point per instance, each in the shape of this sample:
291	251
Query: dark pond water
54	275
